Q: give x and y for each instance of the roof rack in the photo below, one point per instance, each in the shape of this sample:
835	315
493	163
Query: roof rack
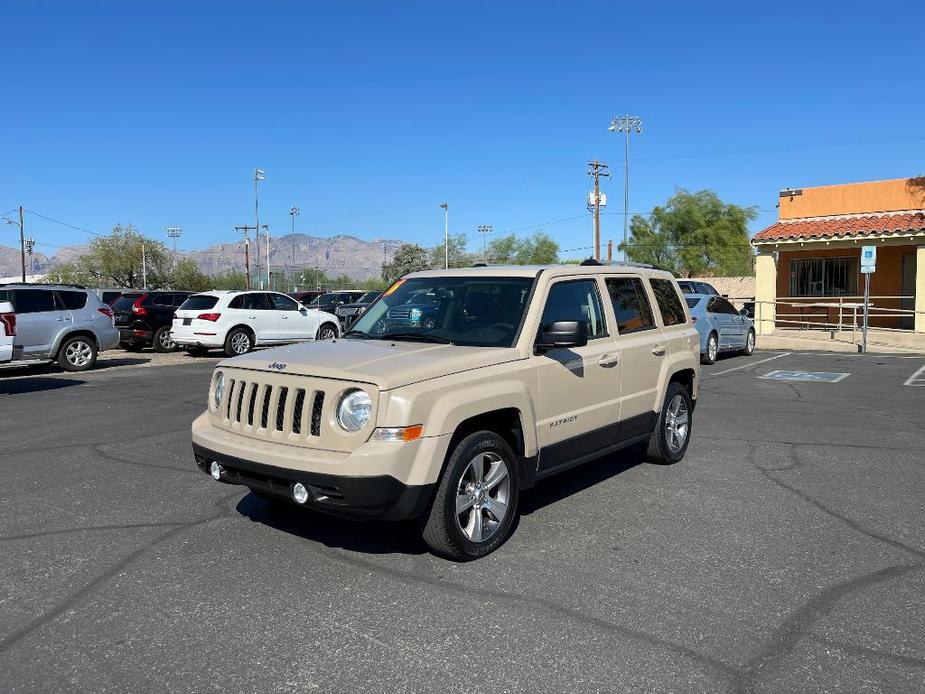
630	263
41	284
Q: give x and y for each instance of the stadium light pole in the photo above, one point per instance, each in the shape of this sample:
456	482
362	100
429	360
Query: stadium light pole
626	124
484	230
446	234
260	175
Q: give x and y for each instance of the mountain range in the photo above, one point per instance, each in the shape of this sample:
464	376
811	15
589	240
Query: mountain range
336	255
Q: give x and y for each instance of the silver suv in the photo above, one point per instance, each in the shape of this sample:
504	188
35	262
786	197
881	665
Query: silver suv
63	323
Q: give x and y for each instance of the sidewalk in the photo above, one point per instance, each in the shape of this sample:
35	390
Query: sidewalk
877	341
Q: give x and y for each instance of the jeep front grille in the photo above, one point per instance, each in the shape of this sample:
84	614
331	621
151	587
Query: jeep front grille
276	405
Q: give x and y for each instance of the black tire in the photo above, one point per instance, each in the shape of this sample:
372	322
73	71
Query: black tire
442	529
132	346
77	353
238	341
161	340
749	343
709	356
661	449
326	331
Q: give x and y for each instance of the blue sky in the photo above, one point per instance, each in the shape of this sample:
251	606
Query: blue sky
367	115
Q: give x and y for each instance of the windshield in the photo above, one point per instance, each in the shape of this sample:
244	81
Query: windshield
687	287
468	311
367	297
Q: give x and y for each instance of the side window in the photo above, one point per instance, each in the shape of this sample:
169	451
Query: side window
630	304
33	300
711	306
726	307
283	303
257	302
237	302
73	301
576	300
669	303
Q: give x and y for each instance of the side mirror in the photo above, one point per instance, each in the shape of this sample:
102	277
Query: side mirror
562	334
303	310
744	312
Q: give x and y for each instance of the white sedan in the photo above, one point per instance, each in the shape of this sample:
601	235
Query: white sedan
238	321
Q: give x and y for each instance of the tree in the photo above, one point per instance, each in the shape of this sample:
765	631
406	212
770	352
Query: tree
694	235
456	250
187	275
539	249
116	261
409	257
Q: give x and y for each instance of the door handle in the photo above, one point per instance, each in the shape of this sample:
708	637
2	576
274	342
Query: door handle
285	317
609	360
658	350
252	317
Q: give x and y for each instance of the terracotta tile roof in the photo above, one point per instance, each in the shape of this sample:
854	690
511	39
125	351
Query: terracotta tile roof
844	225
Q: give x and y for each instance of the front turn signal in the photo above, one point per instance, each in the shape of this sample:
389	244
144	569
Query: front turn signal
411	433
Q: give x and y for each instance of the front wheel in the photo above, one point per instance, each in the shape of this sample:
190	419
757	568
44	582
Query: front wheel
77	354
476	501
749	344
709	356
672	433
326	332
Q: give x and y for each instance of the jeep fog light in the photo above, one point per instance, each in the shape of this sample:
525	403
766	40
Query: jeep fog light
411	433
354	410
299	493
216	470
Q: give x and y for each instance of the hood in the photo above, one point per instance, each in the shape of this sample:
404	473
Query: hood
386	364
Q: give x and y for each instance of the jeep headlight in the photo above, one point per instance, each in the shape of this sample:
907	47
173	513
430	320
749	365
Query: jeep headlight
354	410
219	389
416	314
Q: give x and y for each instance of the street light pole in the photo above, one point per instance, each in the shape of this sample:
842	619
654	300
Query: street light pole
259	175
446	234
626	124
293	213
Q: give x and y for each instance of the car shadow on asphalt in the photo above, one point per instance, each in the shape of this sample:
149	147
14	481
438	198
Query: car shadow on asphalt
366	537
44	368
35	385
564	484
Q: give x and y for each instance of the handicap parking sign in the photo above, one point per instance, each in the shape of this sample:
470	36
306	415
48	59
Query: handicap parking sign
805	376
868	258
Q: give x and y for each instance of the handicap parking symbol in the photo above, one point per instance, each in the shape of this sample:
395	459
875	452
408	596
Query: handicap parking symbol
805	376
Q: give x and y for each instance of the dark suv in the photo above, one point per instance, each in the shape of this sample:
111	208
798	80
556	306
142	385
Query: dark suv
145	318
330	301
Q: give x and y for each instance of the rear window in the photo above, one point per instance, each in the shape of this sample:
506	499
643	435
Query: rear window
124	302
669	303
73	300
199	302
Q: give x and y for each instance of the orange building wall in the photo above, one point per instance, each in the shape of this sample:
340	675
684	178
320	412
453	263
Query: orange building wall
856	198
886	281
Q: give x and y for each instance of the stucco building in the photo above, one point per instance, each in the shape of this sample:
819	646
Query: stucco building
807	270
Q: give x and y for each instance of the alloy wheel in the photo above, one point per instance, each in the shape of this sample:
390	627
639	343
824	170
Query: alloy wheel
78	353
165	341
677	424
750	342
712	348
240	343
482	496
328	333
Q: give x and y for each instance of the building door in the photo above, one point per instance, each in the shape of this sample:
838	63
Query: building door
907	322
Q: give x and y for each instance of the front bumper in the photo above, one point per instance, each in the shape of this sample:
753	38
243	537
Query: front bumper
373	497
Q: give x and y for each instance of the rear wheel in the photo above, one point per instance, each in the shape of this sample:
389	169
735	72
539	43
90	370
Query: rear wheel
669	440
326	332
77	354
162	340
476	500
749	344
238	342
709	356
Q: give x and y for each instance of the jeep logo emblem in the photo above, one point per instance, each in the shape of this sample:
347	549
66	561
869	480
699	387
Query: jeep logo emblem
276	366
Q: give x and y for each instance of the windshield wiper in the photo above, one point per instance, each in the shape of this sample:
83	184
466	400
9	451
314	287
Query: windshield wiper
423	337
357	333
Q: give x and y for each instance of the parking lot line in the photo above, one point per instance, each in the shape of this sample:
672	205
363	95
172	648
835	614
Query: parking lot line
916	379
753	363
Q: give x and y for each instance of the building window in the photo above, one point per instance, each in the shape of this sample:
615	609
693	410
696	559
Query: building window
824	277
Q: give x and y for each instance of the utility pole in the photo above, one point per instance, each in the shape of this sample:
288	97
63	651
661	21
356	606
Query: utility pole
174	233
626	124
484	230
22	244
609	252
596	169
446	234
245	229
259	175
144	268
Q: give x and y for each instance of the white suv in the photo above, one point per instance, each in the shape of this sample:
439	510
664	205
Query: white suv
7	331
238	321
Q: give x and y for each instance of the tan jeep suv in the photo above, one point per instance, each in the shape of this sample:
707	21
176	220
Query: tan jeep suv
456	391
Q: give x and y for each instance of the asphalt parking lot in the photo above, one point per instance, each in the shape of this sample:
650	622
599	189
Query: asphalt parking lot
786	553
